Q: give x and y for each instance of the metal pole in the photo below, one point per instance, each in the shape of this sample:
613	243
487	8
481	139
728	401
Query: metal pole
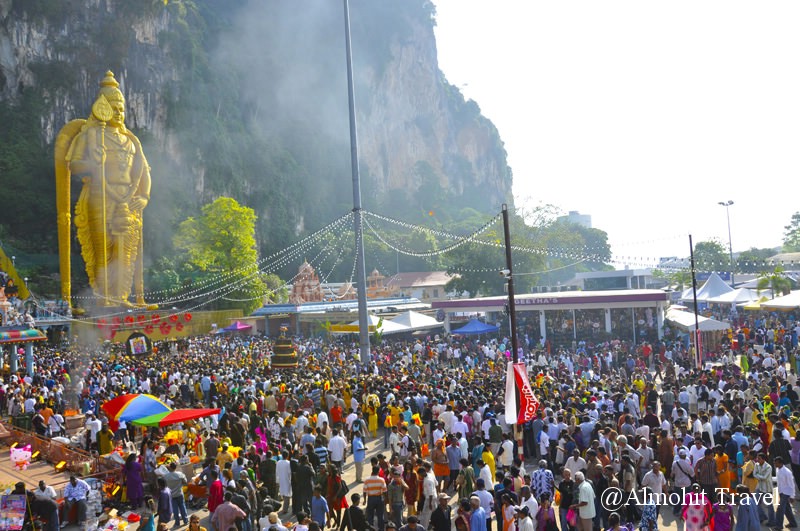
512	314
727	204
512	309
698	354
361	275
730	241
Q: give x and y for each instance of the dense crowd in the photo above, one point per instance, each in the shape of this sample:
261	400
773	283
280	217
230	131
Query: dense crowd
640	418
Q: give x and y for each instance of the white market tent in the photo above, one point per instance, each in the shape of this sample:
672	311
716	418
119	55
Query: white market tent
713	287
787	302
738	296
416	321
386	326
685	321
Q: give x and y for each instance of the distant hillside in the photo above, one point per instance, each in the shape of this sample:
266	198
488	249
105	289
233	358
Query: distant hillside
245	98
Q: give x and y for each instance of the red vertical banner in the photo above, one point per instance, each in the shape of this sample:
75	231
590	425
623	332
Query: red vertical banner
528	404
511	394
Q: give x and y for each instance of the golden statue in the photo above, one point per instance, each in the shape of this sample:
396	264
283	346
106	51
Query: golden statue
116	188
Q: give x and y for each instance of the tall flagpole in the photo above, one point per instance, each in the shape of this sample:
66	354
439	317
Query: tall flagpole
512	314
697	347
361	275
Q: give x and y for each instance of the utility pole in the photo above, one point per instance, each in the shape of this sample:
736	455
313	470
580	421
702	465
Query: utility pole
512	314
361	275
697	346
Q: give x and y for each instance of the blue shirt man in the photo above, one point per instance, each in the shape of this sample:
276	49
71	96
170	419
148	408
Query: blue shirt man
477	521
319	508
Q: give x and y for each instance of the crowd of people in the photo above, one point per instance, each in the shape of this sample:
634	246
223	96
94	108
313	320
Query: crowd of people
640	418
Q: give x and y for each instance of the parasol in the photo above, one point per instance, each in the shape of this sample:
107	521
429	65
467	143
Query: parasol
176	416
133	406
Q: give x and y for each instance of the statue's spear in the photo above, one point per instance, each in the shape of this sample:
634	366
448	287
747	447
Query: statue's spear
101	109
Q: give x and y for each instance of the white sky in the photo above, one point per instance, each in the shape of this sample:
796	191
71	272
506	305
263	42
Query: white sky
642	114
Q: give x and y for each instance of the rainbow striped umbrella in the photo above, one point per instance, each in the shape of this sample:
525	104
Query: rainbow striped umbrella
134	406
177	416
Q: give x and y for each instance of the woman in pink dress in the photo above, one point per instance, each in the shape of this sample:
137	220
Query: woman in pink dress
697	510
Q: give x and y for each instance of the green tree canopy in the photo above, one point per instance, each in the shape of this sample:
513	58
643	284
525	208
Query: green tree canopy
791	234
752	260
222	240
710	256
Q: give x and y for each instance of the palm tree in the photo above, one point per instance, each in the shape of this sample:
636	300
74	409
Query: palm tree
776	281
681	279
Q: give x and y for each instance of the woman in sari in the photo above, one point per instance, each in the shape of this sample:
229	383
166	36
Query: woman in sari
134	481
372	417
465	482
508	511
721	460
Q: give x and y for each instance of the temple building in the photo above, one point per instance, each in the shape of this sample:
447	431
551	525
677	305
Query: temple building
306	287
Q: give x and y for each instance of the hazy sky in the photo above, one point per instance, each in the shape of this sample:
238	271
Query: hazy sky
642	114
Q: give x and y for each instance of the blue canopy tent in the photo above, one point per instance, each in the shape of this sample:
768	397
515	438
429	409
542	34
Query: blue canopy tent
475	327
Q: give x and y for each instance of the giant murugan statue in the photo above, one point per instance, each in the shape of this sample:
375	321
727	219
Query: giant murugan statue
109	161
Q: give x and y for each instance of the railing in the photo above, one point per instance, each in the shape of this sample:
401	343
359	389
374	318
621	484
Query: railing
78	461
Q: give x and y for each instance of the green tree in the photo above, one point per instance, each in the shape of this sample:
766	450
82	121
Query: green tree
791	234
222	240
776	281
711	256
752	260
277	290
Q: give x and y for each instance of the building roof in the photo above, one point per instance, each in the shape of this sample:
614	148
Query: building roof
419	279
562	299
396	303
785	258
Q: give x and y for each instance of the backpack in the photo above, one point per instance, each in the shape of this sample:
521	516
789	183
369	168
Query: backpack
411	446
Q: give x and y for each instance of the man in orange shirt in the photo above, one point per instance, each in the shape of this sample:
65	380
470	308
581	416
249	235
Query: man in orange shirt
336	414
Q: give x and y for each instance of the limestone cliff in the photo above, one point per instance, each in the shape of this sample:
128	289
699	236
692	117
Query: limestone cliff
248	98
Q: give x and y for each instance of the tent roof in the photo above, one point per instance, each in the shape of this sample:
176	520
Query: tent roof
737	296
236	326
787	302
22	336
475	327
714	287
416	321
387	327
685	321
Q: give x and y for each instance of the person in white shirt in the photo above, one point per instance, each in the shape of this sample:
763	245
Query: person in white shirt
45	491
697	451
523	517
682	475
654	479
575	463
526	499
506	457
459	426
337	447
786	494
56	424
485	473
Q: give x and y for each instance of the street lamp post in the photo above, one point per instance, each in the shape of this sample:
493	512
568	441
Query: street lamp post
727	204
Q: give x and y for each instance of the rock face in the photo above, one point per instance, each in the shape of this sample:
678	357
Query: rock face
264	79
